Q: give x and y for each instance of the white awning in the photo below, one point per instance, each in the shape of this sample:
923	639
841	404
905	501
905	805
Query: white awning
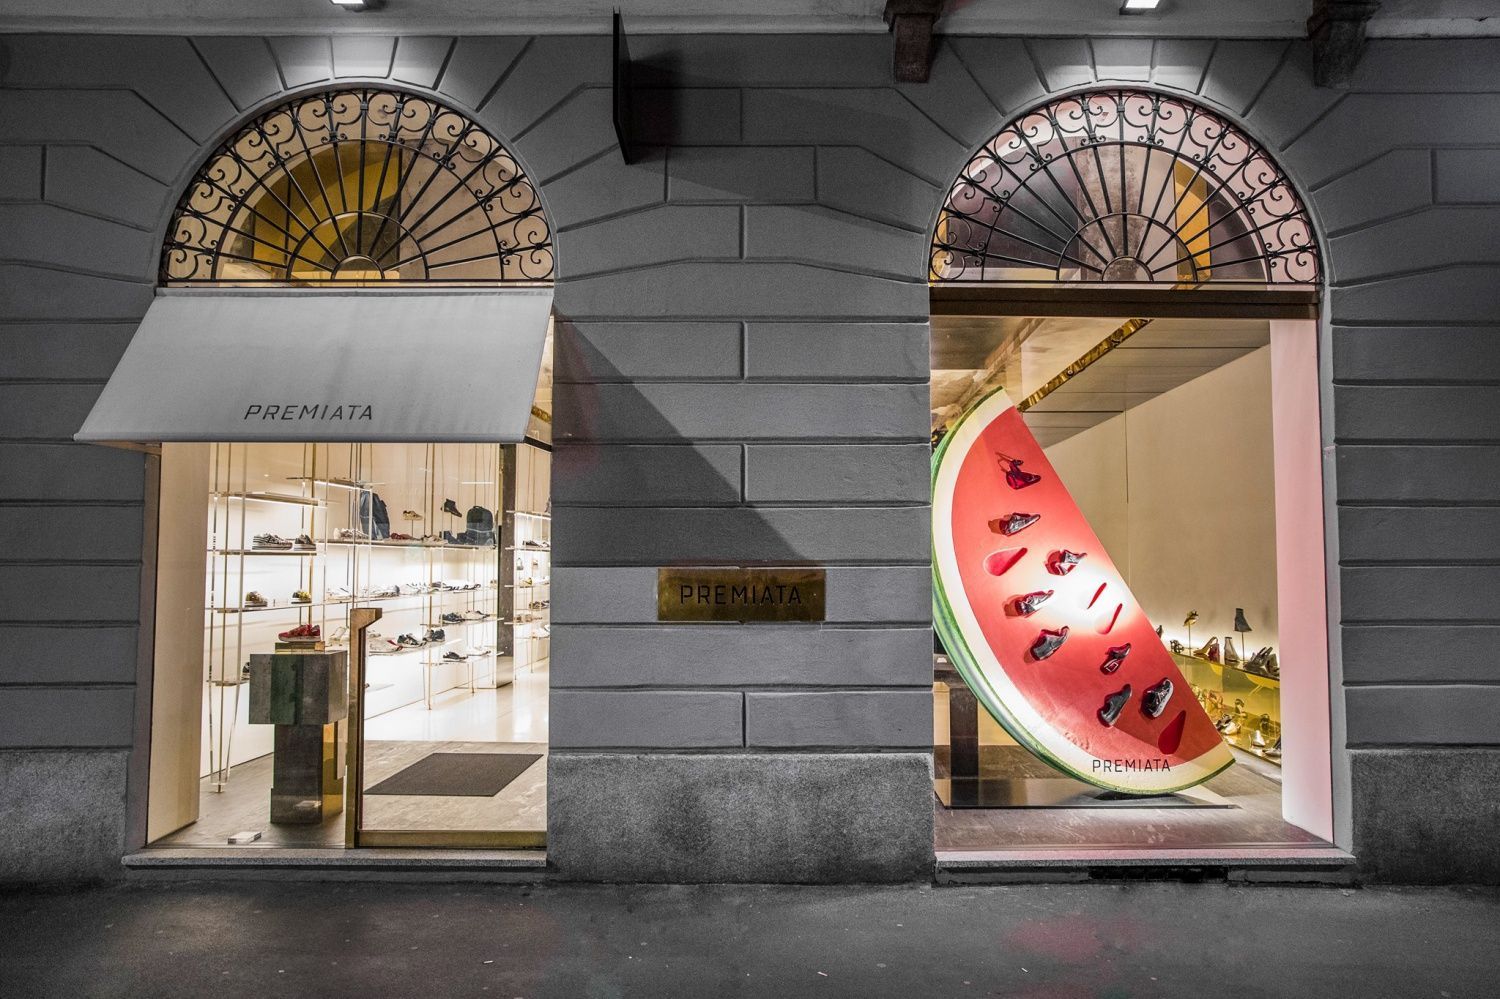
391	365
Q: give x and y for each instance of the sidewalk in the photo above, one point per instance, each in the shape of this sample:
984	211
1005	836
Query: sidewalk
1111	941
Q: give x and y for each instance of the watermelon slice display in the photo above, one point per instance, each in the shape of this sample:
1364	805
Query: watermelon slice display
1042	626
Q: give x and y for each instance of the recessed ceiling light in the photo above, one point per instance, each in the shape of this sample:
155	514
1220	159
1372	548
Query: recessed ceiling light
1135	6
354	4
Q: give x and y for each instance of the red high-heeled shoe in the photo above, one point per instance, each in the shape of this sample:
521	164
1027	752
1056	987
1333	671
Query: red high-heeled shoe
1014	476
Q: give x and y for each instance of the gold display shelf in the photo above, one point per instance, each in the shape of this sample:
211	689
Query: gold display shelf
1253	698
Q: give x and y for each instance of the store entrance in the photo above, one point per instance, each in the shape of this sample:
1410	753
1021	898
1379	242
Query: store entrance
1184	443
352	645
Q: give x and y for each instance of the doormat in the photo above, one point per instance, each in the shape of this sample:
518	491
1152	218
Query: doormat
458	775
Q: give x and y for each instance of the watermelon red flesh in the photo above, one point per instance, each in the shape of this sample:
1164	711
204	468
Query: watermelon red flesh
1052	706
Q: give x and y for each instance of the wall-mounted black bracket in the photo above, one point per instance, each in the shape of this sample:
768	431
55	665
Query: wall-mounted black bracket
623	107
1337	33
911	24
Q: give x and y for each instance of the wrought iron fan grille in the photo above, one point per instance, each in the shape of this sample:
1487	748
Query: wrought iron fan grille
360	186
1123	186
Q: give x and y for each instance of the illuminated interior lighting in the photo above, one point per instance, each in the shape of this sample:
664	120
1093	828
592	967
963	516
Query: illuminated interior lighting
1138	6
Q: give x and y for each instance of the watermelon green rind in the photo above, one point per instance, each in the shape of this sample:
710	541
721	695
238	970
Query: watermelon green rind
968	664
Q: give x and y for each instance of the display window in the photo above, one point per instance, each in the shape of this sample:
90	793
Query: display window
1131	634
286	549
351	632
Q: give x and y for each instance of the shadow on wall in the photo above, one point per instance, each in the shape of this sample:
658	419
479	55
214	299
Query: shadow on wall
630	488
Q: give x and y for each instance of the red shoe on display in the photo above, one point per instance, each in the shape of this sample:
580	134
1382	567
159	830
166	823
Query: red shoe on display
1014	524
1014	477
1115	658
1048	642
1063	562
1027	605
302	633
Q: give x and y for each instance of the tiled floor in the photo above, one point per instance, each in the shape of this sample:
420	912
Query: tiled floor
511	719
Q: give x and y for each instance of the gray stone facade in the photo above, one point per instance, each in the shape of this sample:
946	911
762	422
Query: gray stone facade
741	368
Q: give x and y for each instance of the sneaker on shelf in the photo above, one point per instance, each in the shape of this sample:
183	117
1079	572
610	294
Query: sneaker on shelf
453	657
340	636
469	652
301	597
302	633
435	635
337	594
375	645
350	534
409	641
452	618
474	615
411	515
398	536
255	599
270	542
303	543
412	589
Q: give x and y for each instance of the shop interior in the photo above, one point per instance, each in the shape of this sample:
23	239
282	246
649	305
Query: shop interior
1162	430
267	555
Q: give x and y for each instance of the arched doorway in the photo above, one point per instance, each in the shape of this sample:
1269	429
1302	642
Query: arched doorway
1124	289
345	377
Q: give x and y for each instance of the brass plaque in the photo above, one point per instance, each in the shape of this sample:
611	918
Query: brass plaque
735	594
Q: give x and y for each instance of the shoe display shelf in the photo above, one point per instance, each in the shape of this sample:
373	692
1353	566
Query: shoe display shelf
1250	700
235	568
321	506
373	564
531	587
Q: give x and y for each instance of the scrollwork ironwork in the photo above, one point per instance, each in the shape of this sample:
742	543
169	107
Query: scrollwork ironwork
359	185
1123	186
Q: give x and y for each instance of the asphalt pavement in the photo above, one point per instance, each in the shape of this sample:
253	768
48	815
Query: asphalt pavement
1111	941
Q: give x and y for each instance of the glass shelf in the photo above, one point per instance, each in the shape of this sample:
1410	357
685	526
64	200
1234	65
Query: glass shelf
335	483
272	498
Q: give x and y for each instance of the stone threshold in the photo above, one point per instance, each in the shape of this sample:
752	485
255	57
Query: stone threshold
1308	864
335	864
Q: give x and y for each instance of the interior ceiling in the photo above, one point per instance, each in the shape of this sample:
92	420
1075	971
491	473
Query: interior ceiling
1211	18
972	355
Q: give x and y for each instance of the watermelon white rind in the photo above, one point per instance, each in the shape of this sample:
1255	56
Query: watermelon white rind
1051	707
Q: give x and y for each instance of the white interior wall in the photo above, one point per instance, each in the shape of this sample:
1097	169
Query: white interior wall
1181	491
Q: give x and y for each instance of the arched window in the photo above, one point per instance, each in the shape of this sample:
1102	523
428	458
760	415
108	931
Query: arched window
1123	186
359	185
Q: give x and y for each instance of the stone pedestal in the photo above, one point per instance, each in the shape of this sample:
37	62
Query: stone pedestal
306	696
